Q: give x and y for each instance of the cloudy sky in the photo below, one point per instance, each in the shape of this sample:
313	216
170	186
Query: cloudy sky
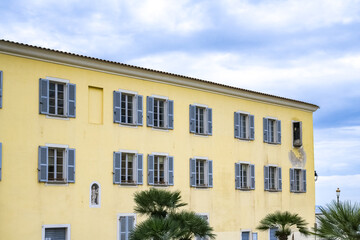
306	50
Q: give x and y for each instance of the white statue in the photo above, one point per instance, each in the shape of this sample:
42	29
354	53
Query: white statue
94	194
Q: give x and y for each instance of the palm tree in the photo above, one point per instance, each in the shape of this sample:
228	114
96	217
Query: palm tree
164	221
283	222
339	221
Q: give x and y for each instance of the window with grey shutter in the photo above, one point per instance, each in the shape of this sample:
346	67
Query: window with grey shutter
117	168
209	123
252	176
236	125
0	160
170	114
266	178
192	114
150	111
139	169
126	226
71	100
303	180
117	106
171	170
210	173
1	88
43	96
237	175
292	180
252	127
278	128
279	179
139	110
43	164
192	172
272	233
151	169
71	165
265	129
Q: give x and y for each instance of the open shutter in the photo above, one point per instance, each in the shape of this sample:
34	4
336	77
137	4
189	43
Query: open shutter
139	110
117	106
237	175
210	173
252	127
292	180
303	180
278	128
150	111
71	165
151	169
0	159
192	118
266	178
209	121
117	168
170	114
171	171
301	139
236	125
279	179
266	132
139	169
192	172
252	176
44	96
1	88
71	100
43	164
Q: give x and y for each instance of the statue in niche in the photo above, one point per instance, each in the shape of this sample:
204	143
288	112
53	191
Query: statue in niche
94	194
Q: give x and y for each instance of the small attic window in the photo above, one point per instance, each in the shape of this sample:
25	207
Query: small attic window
297	134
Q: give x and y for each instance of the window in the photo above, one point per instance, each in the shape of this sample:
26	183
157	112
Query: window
297	180
128	168
201	172
206	218
244	176
245	235
160	169
254	236
57	98
272	178
0	160
200	120
1	88
244	126
272	232
56	232
272	130
160	113
56	164
297	134
128	108
126	225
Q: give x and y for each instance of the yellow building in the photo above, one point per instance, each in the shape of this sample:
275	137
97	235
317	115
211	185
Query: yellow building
79	136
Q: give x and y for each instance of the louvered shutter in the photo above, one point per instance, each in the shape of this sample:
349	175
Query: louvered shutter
236	125
252	127
71	165
301	139
265	127
43	96
0	160
139	110
279	179
43	164
292	180
150	111
139	169
192	114
126	225
55	233
245	236
170	114
210	173
71	100
252	176
209	121
151	169
117	168
266	178
303	180
237	175
192	172
278	128
171	170
1	88
131	224
117	106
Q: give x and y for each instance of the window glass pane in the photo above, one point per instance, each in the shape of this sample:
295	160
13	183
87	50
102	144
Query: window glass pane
243	125
51	168
244	171
200	170
272	178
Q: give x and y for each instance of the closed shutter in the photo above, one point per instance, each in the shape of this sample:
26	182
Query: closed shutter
210	173
303	172
117	106
131	224
139	169
236	125
245	236
55	233
150	111
71	165
279	179
171	171
292	180
252	127
192	172
265	127
170	114
43	96
278	128
192	111
126	226
139	110
117	168
209	121
43	164
0	159
237	175
151	169
272	233
72	100
266	178
1	88
252	176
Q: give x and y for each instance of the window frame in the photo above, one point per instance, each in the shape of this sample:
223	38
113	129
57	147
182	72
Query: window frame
207	120
136	168
168	172
239	126
294	143
272	136
168	112
208	172
203	215
250	176
137	108
246	231
302	180
277	178
119	215
66	226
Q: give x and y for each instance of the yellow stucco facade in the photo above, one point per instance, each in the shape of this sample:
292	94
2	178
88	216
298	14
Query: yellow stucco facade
27	205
